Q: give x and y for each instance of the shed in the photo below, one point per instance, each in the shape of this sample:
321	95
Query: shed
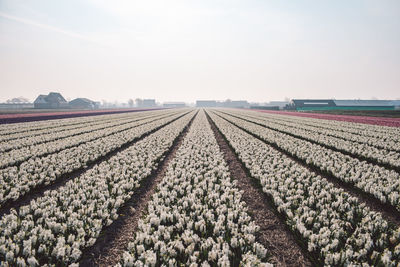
174	105
83	103
206	103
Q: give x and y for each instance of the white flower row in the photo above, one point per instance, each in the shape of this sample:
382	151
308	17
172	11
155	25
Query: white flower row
21	129
335	225
16	156
18	181
10	137
384	141
357	149
196	217
81	129
361	129
382	183
54	229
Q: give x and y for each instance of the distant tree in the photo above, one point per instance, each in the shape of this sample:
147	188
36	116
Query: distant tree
228	103
130	102
104	103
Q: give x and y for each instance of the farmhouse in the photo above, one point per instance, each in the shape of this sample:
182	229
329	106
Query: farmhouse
51	101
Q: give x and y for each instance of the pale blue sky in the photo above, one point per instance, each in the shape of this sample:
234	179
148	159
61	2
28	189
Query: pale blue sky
188	50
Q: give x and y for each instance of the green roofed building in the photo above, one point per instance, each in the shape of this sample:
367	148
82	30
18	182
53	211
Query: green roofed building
333	104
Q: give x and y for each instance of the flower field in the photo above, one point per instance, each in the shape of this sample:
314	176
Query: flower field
43	116
67	186
391	122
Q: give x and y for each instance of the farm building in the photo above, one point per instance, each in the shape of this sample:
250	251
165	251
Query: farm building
206	103
50	101
174	105
272	105
83	103
280	104
149	103
236	104
333	104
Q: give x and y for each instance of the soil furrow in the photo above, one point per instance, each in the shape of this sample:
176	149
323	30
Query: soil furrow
114	239
63	179
390	213
273	234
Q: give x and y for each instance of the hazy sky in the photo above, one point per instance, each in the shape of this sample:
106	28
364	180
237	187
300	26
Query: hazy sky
188	50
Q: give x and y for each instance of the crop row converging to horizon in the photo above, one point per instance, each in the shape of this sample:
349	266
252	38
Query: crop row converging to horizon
67	184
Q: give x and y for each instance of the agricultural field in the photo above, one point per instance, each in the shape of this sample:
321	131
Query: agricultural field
199	187
378	117
365	113
32	114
